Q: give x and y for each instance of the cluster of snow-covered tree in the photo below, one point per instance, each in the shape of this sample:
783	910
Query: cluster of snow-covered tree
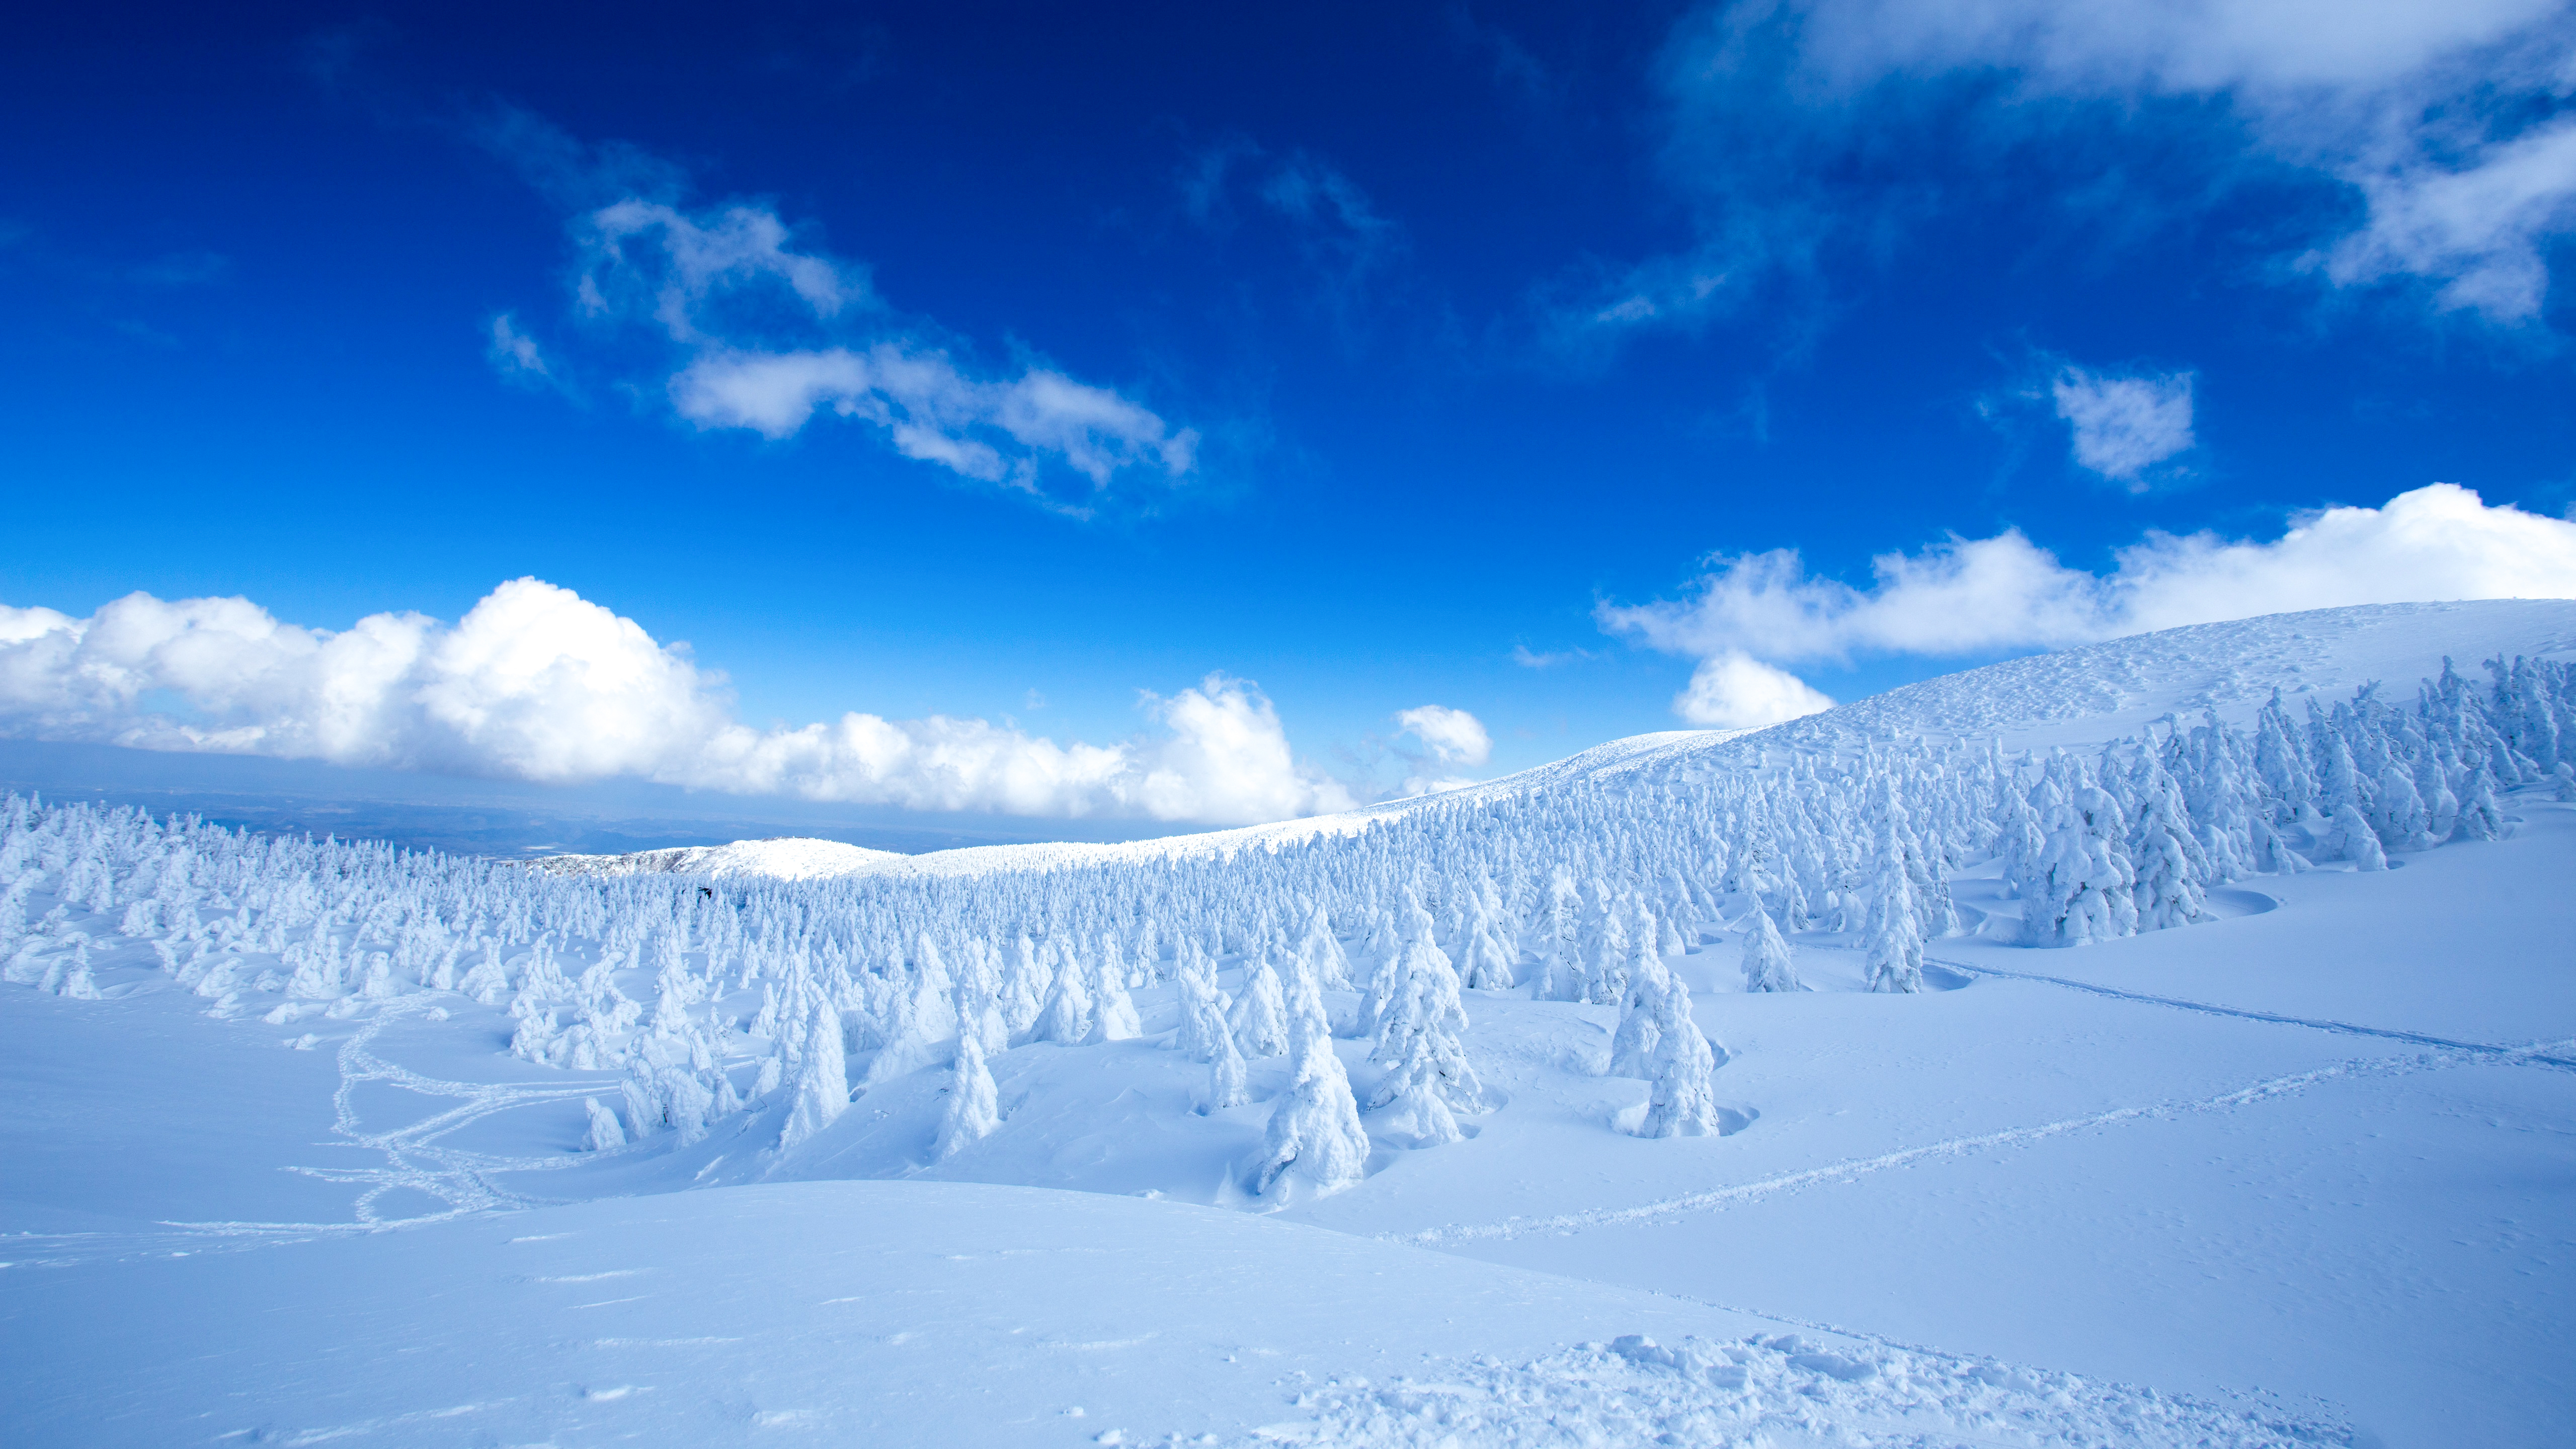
712	998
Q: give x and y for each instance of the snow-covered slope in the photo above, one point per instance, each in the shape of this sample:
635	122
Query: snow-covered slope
2101	691
2080	696
372	1148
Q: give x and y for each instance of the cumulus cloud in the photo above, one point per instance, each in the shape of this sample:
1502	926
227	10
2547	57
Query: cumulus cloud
2122	426
537	683
1445	740
1735	691
761	331
1453	736
1967	596
2443	124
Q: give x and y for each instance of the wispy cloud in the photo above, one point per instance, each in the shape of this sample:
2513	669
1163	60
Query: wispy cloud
1811	132
1344	240
2121	427
1528	658
515	355
761	330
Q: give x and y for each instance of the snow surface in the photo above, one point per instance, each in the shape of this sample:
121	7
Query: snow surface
2298	1174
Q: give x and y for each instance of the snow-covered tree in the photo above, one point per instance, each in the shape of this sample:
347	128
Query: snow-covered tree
1229	1077
1682	1101
1322	952
604	1134
1065	1015
1768	963
1113	1011
1632	1044
2086	888
2352	838
2172	870
1428	1079
1892	933
822	1080
1314	1135
1259	1018
974	1107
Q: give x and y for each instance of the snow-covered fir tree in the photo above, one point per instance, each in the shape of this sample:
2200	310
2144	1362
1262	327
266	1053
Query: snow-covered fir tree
1768	964
974	1107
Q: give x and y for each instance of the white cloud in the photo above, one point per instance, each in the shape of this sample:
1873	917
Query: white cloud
1528	658
2178	45
2440	116
684	263
1967	596
1453	736
516	354
2444	124
996	432
763	332
538	683
1734	691
2481	225
1445	740
2123	426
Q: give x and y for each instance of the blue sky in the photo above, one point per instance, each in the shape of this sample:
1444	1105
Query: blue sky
1382	361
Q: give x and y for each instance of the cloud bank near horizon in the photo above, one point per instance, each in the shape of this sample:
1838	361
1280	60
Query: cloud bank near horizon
537	683
1752	614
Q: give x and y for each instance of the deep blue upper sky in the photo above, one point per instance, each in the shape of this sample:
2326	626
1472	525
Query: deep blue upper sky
1370	254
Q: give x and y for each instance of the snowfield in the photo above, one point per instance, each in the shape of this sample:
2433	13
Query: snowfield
2166	1042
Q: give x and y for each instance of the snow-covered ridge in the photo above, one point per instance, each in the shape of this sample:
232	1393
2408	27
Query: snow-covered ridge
2096	692
806	858
2079	696
784	857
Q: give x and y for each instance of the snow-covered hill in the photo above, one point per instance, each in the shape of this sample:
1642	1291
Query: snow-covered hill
2081	696
1406	1126
792	857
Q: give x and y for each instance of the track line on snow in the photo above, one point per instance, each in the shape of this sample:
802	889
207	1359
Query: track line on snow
2521	1056
414	1158
1859	1167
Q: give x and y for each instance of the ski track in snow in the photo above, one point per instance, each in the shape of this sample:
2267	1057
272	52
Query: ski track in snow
1853	1168
2521	1056
413	1157
414	1160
